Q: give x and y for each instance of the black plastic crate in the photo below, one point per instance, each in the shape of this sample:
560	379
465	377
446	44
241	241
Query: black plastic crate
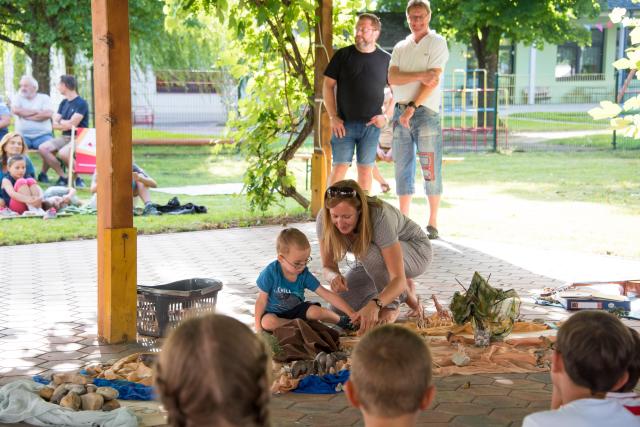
164	306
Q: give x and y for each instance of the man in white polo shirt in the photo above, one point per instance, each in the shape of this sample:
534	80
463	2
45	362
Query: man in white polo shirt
414	74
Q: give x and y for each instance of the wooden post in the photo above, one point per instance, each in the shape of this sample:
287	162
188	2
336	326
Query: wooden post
116	235
321	160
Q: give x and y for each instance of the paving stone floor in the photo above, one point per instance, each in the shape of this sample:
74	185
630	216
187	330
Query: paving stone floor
48	311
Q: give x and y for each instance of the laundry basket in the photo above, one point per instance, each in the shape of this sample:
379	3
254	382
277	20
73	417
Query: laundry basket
164	306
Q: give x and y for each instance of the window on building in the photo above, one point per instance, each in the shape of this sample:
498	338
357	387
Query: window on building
186	82
573	60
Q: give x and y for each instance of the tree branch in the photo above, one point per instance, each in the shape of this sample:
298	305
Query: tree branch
16	43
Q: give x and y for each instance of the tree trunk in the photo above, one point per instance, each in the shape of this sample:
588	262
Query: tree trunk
486	49
41	63
69	60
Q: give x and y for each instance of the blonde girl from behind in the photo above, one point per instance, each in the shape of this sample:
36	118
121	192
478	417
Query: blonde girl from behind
214	371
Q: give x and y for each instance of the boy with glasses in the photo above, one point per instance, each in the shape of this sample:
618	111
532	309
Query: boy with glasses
283	282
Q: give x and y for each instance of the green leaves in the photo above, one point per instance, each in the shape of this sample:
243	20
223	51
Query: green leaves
488	307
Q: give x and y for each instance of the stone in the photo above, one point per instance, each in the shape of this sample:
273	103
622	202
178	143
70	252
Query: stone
109	393
58	394
303	367
78	389
111	405
46	393
71	401
460	359
92	402
91	388
70	378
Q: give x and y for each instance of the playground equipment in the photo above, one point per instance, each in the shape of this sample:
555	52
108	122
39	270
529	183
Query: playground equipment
462	108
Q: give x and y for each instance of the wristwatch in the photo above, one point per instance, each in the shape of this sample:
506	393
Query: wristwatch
412	104
378	302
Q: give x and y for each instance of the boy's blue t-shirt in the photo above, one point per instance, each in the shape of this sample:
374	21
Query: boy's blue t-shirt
283	294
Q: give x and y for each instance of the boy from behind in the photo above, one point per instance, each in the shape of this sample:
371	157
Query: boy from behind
391	377
593	353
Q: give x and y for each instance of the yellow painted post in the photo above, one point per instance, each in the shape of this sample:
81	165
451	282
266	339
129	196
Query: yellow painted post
321	160
117	296
116	235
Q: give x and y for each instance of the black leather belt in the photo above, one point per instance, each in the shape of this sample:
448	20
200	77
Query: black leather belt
406	105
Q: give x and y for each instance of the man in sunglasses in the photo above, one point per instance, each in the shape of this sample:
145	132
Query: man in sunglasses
414	74
353	92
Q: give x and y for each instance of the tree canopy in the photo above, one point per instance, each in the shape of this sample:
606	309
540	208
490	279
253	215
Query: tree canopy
482	24
272	50
36	26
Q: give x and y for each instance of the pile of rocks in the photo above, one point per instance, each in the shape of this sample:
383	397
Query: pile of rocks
77	392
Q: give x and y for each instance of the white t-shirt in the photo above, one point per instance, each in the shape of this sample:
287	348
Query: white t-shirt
584	413
409	56
32	128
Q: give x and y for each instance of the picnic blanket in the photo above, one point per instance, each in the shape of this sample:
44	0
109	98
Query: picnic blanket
20	402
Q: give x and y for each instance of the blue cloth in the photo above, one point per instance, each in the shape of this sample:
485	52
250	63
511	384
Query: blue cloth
283	294
326	384
77	105
127	390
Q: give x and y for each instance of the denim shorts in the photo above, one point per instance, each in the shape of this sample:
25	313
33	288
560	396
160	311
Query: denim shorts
37	141
423	138
359	137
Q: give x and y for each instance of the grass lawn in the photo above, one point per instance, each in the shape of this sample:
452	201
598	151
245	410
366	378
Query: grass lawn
579	200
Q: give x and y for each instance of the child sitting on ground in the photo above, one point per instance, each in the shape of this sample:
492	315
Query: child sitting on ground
282	283
592	355
213	371
140	182
12	144
58	197
390	378
20	194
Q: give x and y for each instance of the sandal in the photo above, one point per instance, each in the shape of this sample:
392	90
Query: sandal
432	232
385	187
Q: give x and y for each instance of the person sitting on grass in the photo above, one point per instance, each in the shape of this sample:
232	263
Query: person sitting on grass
12	144
20	194
213	371
282	283
592	355
58	197
390	380
140	182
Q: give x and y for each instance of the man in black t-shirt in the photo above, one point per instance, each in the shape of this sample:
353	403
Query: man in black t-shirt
72	112
359	72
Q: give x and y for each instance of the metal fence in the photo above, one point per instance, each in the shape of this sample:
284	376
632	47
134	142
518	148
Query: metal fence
512	113
548	115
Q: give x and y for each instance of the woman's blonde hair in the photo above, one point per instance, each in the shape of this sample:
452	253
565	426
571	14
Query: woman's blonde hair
333	240
214	371
5	139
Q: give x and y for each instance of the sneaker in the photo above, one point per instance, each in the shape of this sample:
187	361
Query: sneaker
7	213
345	323
432	232
79	182
42	177
50	214
62	181
150	210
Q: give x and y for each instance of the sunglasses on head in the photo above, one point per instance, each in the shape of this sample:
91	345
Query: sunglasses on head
341	192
